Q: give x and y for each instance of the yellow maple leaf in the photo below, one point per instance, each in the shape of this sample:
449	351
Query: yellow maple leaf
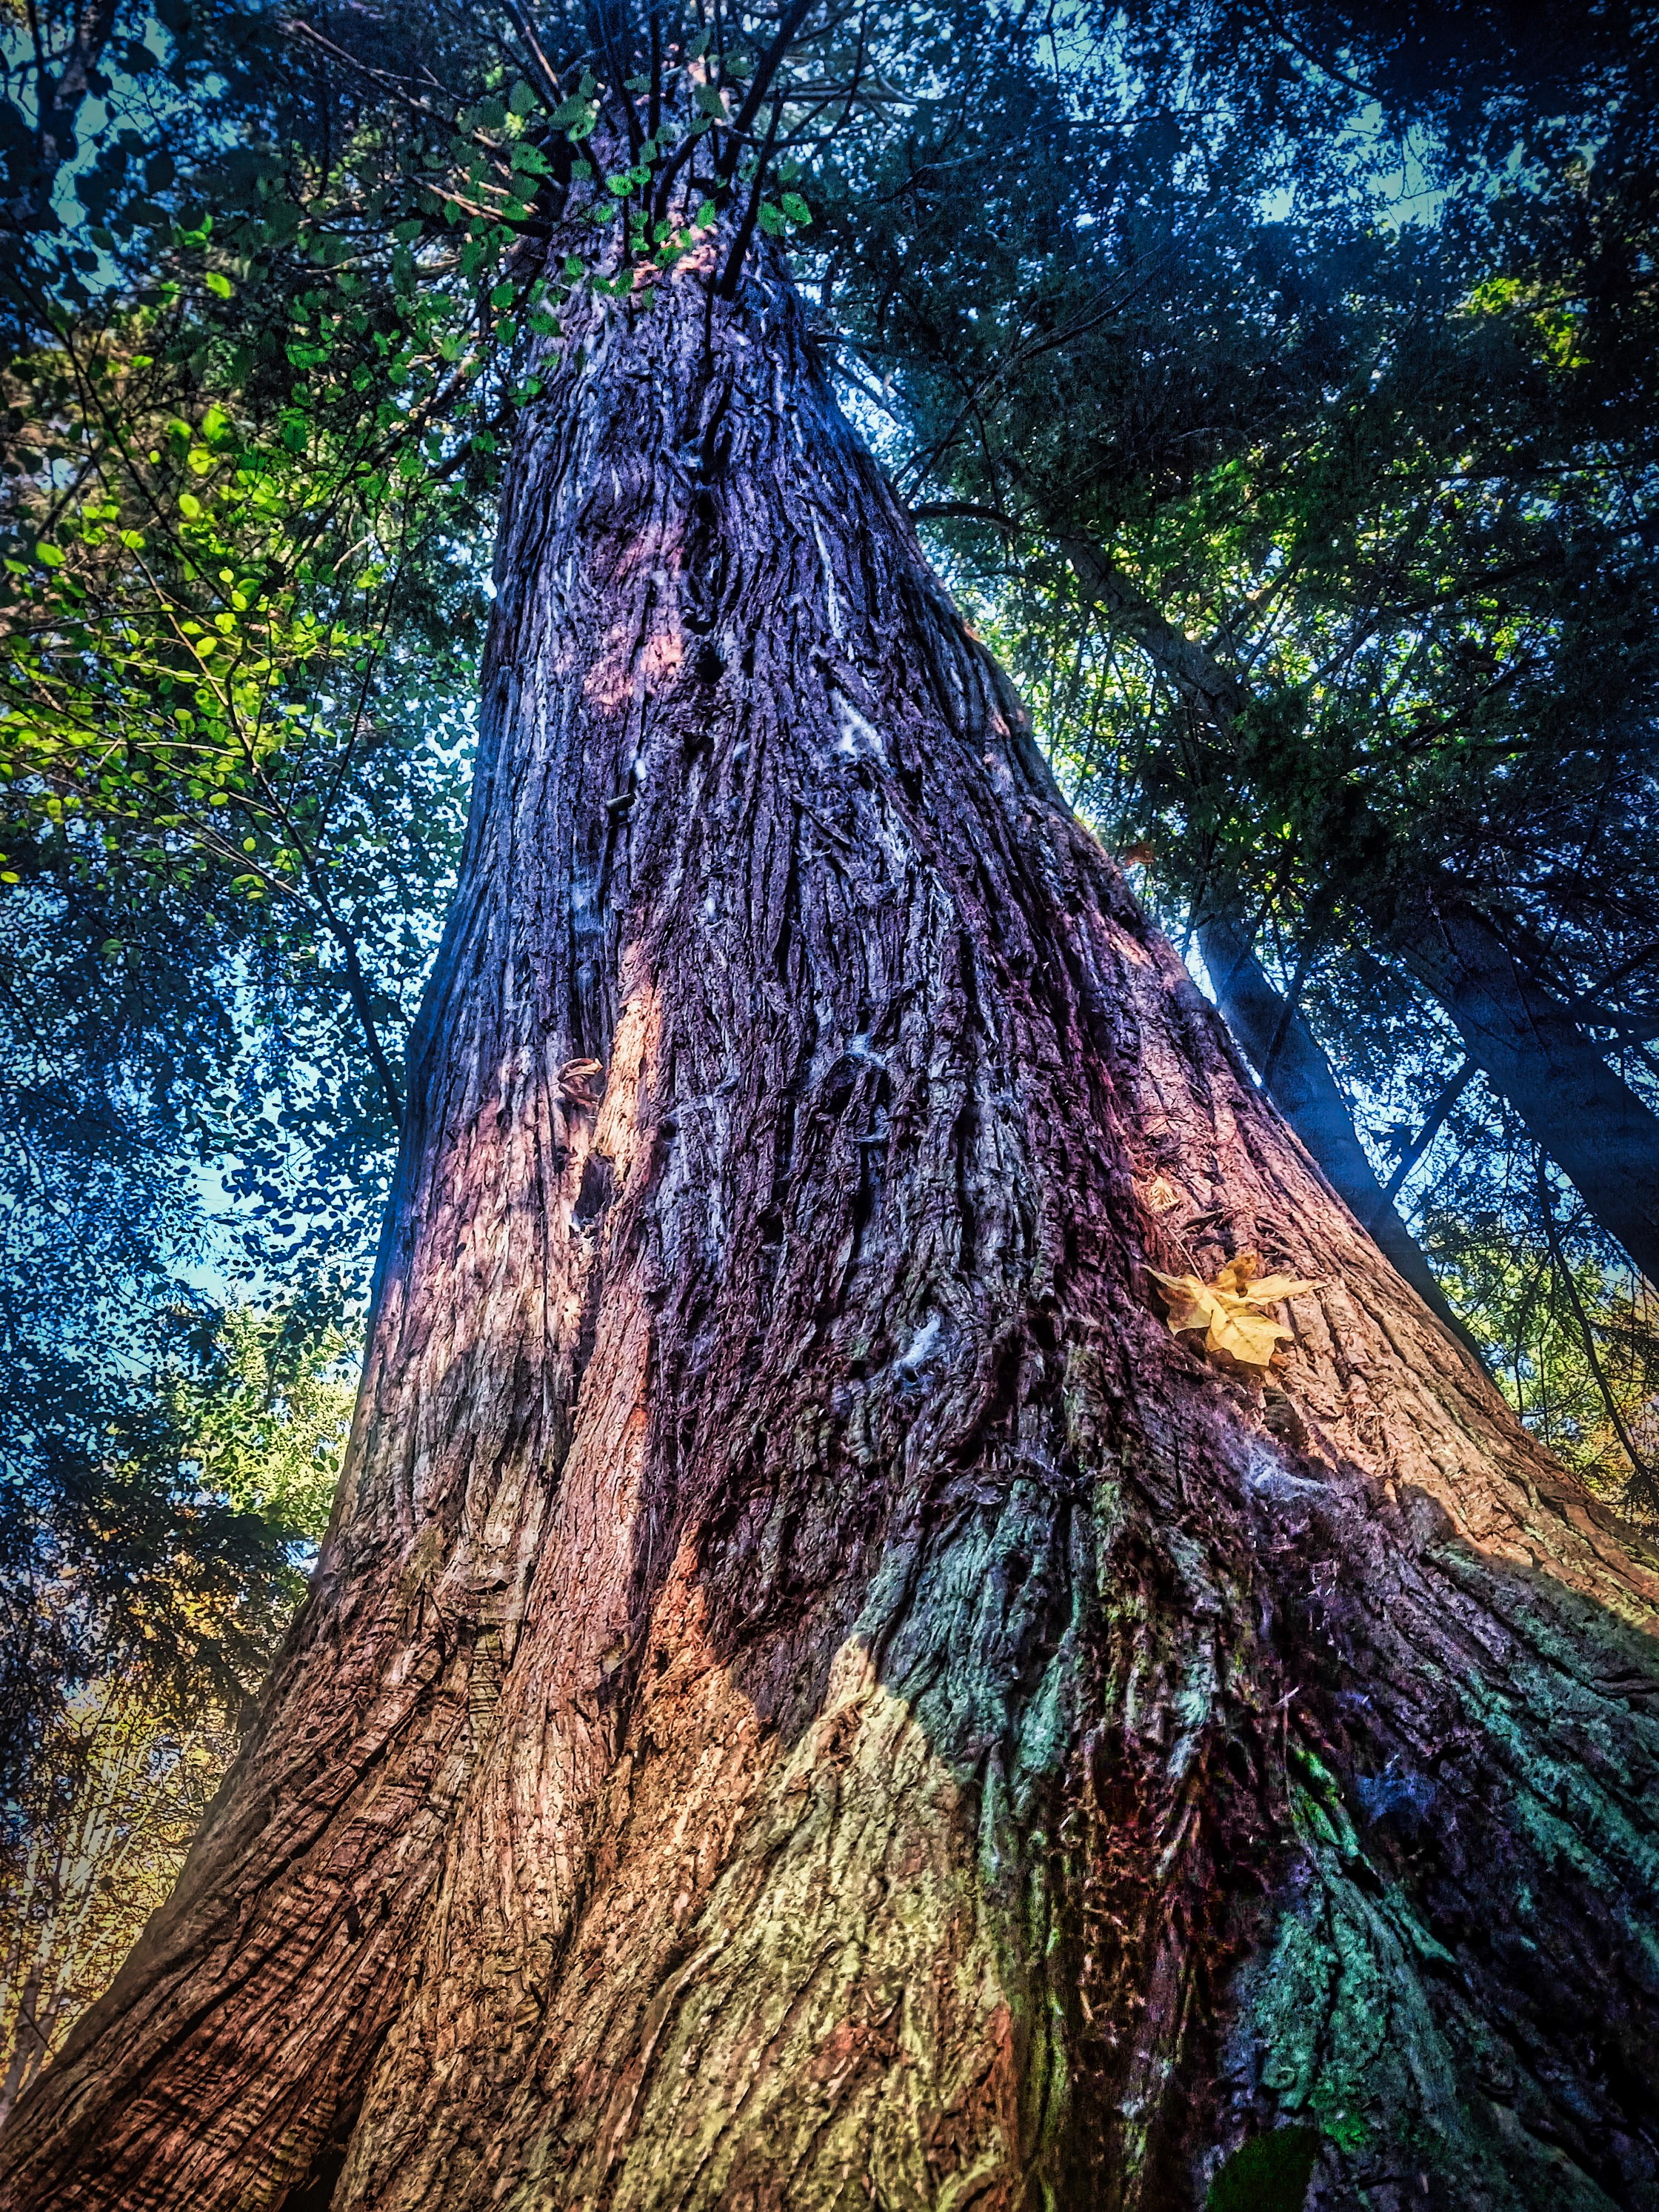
1229	1309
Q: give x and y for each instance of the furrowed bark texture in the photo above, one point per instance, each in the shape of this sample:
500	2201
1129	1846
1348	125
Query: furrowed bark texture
814	1698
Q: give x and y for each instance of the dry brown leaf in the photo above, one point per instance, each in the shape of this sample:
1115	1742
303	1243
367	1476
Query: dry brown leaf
582	1081
1228	1310
1160	1194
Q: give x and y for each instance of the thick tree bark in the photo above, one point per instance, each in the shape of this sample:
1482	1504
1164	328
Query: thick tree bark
813	1698
1297	1076
1526	1042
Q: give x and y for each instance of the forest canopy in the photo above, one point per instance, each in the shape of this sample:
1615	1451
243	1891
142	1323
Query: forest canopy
1275	385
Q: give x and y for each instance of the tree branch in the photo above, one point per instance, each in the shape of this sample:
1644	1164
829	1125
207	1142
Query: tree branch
1642	1484
1449	1096
541	67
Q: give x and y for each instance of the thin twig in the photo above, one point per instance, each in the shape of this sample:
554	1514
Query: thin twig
1450	1095
1642	1480
544	69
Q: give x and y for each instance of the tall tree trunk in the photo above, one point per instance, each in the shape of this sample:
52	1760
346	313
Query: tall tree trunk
1297	1076
1587	1118
813	1696
1525	1042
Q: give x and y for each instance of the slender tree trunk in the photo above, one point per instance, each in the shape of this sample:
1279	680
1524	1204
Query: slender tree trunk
1297	1076
1587	1119
1530	1048
813	1696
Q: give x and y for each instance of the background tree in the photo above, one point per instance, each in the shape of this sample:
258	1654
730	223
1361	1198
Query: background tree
234	715
135	1681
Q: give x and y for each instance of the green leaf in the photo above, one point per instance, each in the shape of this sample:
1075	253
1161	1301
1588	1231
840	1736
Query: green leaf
220	286
49	556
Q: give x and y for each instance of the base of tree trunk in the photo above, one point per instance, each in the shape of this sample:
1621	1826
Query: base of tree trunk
814	1698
